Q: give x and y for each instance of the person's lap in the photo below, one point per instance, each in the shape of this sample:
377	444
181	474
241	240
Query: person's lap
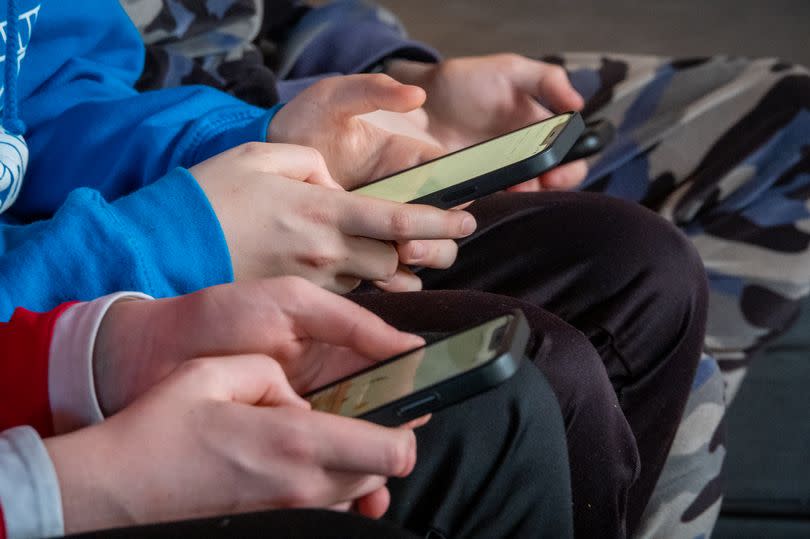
616	272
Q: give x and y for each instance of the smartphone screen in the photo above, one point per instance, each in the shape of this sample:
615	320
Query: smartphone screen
466	164
413	371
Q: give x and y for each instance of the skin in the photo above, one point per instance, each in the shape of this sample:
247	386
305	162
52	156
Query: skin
205	418
472	99
283	214
368	126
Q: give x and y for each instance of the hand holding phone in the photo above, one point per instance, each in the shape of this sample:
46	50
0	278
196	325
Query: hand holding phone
432	377
484	168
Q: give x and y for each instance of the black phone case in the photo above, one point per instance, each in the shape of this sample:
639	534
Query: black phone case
433	398
514	174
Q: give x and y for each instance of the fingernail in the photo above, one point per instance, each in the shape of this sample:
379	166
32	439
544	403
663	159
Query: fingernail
468	225
418	250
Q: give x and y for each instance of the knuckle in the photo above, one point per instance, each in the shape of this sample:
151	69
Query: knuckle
322	256
204	371
398	456
317	214
255	148
556	73
401	222
297	447
390	265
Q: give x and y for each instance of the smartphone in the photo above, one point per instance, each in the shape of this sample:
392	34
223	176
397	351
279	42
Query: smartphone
484	168
432	377
597	135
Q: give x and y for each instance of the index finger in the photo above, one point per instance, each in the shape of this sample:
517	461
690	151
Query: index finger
335	320
393	221
548	82
352	445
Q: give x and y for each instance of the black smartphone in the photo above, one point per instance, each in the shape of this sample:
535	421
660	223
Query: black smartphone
432	377
597	135
484	168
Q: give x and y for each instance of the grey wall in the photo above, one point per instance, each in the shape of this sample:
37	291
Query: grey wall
668	27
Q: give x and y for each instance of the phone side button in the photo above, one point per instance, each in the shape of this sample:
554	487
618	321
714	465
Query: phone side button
418	407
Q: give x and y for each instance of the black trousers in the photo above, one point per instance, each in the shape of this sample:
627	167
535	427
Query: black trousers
617	300
491	466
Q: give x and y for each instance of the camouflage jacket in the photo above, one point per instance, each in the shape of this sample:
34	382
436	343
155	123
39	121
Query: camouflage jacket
264	51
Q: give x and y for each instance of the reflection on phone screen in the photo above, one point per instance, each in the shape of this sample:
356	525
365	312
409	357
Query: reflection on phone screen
412	372
466	164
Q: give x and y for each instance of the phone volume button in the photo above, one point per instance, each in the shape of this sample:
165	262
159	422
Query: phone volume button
420	406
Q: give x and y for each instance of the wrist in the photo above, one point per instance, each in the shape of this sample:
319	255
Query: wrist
126	349
84	465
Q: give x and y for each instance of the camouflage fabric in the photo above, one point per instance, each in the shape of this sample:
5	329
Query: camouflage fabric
210	42
720	146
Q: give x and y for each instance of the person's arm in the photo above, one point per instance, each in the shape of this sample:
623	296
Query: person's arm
30	503
309	43
163	240
88	126
341	38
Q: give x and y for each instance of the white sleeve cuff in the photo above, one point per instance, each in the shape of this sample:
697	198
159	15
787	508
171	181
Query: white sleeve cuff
29	488
71	387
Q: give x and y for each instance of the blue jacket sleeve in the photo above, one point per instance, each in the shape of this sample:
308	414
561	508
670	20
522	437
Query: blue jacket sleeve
163	240
86	120
343	37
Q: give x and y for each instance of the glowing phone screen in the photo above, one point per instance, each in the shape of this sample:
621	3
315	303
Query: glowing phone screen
466	164
412	372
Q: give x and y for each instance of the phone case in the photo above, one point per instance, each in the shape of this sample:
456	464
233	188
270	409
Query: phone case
484	377
514	174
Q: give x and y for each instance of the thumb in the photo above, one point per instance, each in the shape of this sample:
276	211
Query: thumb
289	160
360	94
248	379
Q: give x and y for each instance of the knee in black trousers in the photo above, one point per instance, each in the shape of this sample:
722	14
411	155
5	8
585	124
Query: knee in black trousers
626	278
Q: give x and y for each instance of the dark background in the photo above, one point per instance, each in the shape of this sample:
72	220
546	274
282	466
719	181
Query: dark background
665	27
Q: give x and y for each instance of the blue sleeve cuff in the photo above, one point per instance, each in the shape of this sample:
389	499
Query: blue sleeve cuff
227	128
176	236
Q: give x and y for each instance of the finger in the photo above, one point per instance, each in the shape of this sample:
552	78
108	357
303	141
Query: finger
548	82
353	95
290	160
341	507
404	280
369	259
348	445
342	284
332	319
418	422
385	220
438	254
531	186
402	152
375	504
567	176
339	489
250	379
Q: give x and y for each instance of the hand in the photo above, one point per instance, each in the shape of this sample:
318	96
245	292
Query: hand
276	225
330	116
223	435
470	100
317	337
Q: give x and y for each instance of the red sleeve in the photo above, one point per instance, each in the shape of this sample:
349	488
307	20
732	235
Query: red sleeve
2	524
25	343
